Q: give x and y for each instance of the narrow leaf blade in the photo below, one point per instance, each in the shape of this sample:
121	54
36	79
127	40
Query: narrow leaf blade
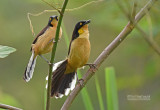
111	89
85	97
99	93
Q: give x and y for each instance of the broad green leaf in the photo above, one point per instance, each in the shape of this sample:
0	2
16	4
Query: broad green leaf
5	51
100	99
111	89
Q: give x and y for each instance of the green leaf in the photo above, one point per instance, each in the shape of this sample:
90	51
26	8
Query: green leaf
85	97
111	89
100	99
5	51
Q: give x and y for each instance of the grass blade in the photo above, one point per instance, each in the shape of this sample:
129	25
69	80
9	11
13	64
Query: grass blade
111	89
85	96
100	99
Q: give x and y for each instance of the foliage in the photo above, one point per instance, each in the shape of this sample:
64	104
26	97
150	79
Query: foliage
5	51
99	94
111	89
8	99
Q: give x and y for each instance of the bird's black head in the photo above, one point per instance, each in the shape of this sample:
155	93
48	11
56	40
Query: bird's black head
79	28
53	20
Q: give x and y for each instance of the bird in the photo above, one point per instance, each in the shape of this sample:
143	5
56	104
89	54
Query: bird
42	44
64	74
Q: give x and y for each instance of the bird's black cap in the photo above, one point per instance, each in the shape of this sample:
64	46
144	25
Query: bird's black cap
78	26
81	24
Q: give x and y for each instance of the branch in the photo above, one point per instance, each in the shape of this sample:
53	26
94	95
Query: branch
52	6
3	106
106	52
149	40
67	10
53	54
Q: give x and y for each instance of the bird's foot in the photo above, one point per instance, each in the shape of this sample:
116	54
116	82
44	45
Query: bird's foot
49	63
92	66
55	41
80	82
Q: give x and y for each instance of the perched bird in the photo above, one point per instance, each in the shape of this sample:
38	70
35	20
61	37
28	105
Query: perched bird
65	72
42	44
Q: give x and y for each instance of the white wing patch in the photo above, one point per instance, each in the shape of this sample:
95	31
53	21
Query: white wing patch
56	65
70	88
59	96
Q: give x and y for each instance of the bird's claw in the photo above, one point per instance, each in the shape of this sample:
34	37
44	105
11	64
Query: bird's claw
93	67
55	41
80	82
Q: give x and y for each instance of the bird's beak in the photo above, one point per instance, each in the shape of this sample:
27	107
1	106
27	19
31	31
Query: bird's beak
87	22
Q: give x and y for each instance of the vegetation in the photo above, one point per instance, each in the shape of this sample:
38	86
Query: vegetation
135	60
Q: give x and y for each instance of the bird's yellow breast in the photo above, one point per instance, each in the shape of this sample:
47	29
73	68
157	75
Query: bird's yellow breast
79	53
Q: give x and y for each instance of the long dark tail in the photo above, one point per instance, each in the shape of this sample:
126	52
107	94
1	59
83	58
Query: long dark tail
30	68
62	83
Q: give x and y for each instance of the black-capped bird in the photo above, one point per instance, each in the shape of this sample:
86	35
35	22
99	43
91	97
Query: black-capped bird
42	44
65	72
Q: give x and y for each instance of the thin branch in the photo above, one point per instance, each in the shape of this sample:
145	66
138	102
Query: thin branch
52	6
149	24
67	10
106	52
53	54
122	9
85	5
133	14
3	106
149	40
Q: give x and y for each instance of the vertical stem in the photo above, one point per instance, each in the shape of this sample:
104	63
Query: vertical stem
53	54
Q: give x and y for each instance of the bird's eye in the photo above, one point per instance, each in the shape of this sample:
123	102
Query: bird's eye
56	17
80	23
50	19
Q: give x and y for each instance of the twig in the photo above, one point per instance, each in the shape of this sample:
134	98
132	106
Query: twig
149	40
53	54
82	6
51	6
122	9
67	10
106	52
133	14
3	106
149	24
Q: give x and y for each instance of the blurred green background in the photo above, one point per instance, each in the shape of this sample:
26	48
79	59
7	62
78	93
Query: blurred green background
136	64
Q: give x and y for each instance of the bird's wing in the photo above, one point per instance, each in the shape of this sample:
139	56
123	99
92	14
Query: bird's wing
69	47
74	36
40	33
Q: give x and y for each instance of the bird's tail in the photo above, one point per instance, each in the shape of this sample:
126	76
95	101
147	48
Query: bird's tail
62	83
30	68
